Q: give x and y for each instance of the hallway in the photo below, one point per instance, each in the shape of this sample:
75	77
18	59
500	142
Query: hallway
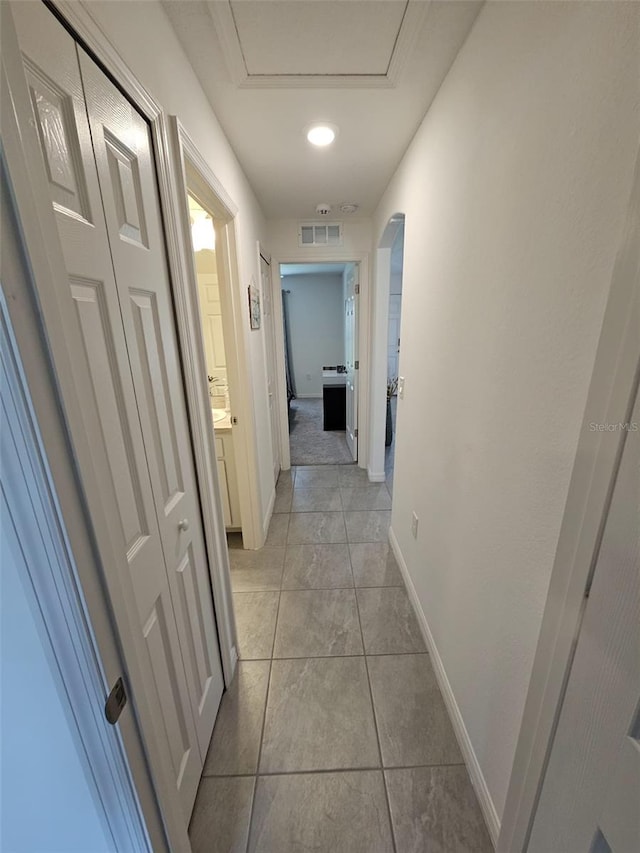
334	735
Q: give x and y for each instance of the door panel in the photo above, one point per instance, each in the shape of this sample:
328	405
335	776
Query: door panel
159	640
350	357
211	316
54	108
90	303
589	798
123	151
156	394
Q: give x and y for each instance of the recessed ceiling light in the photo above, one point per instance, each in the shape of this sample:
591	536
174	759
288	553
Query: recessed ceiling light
348	207
321	135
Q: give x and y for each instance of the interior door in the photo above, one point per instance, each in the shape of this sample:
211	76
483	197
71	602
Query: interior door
591	791
123	151
270	361
393	344
211	316
352	289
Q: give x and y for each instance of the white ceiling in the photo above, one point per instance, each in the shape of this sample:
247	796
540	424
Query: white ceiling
272	67
323	42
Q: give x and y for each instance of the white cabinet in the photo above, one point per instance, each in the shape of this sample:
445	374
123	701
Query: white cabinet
227	479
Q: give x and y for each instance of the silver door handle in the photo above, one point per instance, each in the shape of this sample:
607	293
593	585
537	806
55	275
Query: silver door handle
184	524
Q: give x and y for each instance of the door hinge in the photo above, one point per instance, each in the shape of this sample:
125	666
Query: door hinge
357	289
116	700
355	433
356	366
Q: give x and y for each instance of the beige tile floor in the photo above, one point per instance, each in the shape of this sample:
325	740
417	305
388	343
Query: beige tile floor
333	736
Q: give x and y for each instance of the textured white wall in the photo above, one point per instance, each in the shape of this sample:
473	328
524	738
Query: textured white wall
142	34
316	321
514	191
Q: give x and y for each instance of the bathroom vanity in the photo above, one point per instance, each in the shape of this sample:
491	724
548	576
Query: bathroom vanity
226	465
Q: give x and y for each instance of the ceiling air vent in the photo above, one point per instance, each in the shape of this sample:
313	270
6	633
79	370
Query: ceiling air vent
320	234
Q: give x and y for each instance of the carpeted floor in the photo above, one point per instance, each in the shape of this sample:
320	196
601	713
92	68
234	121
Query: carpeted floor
310	444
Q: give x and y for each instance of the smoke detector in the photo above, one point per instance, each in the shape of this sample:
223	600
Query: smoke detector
323	209
348	207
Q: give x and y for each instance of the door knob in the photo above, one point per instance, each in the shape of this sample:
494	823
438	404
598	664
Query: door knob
184	524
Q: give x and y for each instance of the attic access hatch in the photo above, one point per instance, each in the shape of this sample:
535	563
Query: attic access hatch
320	234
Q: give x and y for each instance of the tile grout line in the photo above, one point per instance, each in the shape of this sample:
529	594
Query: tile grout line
325	770
264	715
342	657
375	723
257	775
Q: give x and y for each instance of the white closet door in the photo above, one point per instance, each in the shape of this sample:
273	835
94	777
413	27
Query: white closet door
104	380
122	147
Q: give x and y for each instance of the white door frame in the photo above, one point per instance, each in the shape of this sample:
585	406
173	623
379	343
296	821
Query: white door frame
192	173
609	401
379	347
320	257
263	255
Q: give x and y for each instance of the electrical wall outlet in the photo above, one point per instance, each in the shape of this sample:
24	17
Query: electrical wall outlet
414	525
309	377
401	387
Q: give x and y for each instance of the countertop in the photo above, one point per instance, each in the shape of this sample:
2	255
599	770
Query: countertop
332	377
223	425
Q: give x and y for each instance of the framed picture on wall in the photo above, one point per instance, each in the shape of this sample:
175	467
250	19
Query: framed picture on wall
254	306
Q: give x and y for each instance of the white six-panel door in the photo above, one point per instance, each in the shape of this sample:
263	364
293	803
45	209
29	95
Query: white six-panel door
122	146
128	374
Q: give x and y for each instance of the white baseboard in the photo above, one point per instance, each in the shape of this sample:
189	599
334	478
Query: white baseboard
475	773
266	521
376	476
308	397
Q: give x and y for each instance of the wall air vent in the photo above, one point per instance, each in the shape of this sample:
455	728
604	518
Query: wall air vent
320	234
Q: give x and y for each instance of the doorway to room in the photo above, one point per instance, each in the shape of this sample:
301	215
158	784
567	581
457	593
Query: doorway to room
320	326
393	348
210	296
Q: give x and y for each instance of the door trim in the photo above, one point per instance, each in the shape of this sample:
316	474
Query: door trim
610	398
364	344
263	255
193	173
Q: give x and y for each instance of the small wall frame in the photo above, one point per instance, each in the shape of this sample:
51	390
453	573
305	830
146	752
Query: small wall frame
254	307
